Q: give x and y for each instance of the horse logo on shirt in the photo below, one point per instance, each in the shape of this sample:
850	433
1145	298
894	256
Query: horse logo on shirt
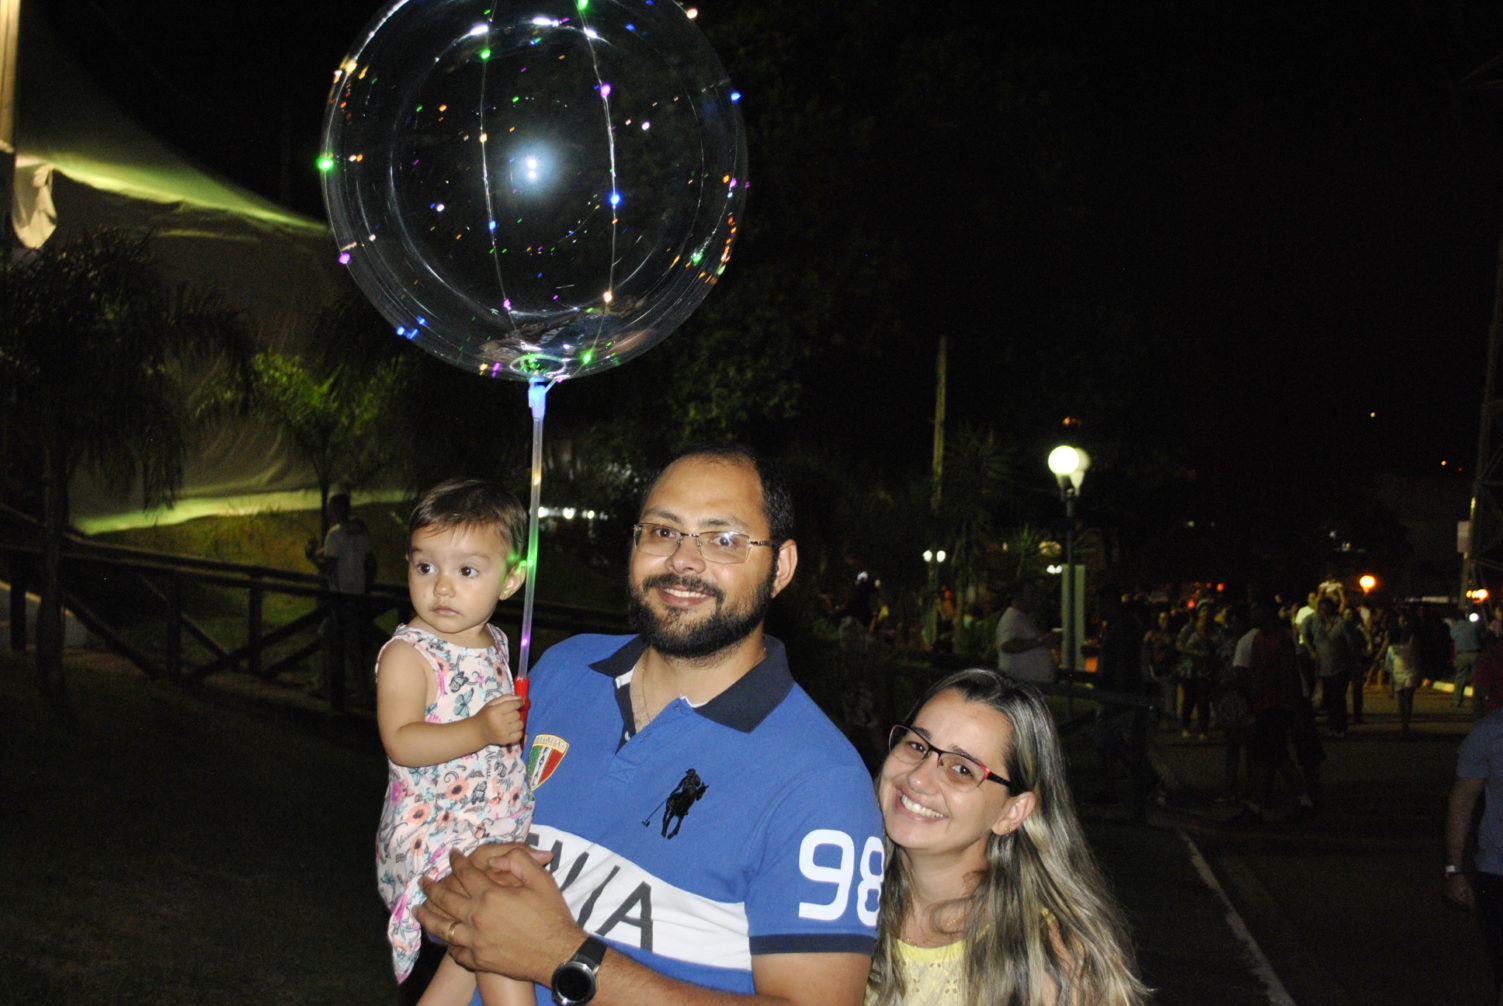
684	796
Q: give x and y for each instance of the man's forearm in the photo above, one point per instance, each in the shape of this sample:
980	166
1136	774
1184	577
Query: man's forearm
1022	644
781	980
1459	808
624	982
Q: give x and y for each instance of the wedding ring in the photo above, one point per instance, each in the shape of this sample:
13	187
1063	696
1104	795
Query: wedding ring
449	933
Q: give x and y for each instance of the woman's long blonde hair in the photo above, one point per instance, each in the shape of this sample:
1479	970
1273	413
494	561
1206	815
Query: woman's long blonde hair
1040	914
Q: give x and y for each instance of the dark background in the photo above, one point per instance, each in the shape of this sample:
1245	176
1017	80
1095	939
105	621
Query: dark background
1245	255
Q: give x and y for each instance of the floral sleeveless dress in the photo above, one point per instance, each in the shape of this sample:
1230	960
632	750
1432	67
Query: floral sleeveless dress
461	804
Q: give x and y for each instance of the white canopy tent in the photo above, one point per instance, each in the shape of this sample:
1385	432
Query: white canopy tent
81	162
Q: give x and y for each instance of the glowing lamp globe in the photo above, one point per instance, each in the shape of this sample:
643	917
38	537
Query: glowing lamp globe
1066	460
1069	466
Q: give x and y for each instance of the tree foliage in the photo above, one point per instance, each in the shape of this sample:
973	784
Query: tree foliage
974	498
330	420
332	403
100	358
100	361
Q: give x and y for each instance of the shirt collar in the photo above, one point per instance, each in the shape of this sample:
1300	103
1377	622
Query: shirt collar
742	706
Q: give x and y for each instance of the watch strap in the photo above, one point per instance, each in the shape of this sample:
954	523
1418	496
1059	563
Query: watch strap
591	952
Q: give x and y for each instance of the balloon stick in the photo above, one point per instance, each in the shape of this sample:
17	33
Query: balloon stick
537	399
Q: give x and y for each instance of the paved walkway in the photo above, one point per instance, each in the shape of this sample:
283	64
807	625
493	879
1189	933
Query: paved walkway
1346	906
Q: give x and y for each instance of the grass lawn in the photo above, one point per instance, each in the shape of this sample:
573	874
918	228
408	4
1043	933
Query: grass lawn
277	539
164	849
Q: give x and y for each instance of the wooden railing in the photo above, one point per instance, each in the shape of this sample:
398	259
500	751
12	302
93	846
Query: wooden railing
159	580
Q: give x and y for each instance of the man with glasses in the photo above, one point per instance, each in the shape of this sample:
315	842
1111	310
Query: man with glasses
709	829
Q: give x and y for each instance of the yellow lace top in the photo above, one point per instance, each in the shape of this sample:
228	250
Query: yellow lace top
935	974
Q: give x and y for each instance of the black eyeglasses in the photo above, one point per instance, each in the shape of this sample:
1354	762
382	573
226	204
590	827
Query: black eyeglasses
715	546
958	771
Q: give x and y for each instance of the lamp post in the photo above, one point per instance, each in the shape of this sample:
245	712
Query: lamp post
1069	466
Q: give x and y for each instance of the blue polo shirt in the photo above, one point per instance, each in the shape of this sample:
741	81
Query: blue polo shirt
743	826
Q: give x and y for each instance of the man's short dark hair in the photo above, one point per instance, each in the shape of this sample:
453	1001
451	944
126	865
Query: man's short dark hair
777	500
472	503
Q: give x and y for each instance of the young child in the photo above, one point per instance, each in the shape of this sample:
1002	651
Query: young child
450	724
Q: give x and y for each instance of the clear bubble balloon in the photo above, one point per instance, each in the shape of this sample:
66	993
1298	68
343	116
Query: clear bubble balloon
534	189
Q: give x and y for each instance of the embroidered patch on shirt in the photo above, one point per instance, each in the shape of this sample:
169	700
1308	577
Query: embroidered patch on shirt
546	754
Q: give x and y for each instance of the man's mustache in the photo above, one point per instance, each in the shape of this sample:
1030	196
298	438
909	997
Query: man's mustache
683	583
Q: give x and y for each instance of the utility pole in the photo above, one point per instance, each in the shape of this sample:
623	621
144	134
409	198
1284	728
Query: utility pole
1482	552
941	377
1482	560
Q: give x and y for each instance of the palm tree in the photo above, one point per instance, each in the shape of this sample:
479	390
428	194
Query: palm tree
97	355
976	487
331	420
330	401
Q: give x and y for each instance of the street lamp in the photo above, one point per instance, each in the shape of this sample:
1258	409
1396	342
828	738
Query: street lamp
1069	466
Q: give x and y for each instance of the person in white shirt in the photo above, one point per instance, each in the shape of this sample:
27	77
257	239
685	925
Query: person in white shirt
1022	650
348	559
1305	611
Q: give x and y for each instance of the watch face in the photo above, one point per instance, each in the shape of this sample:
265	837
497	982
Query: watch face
574	982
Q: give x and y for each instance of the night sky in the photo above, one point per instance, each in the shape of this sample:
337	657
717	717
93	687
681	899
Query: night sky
1300	205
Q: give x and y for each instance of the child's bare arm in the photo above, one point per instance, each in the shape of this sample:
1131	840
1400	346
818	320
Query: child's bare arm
451	985
496	990
402	697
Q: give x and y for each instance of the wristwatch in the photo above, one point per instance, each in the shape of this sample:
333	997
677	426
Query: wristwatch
574	980
1453	870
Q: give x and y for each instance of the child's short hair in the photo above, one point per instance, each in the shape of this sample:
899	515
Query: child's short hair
472	503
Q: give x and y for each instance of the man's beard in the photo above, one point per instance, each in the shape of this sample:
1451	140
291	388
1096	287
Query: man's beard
722	630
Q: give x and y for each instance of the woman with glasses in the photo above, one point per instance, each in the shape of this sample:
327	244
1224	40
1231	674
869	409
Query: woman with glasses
990	889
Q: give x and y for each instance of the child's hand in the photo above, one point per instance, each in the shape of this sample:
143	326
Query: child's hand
501	720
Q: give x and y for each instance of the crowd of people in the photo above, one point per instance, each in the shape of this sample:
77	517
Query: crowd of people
1276	678
1196	656
1270	681
1343	649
